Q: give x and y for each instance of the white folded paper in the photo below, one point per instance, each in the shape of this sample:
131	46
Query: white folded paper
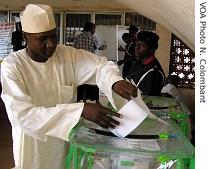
133	115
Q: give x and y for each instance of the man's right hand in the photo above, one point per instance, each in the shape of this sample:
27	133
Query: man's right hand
100	115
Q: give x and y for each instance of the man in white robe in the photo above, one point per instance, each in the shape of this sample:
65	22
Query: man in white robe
39	90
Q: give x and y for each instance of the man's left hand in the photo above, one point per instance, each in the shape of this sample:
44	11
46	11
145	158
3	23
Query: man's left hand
125	89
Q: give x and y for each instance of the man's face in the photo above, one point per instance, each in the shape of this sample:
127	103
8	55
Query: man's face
41	46
93	29
141	49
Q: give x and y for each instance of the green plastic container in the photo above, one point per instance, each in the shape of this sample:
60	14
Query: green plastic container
90	150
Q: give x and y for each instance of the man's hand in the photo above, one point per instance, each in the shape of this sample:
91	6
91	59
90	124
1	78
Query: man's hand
102	47
125	89
100	115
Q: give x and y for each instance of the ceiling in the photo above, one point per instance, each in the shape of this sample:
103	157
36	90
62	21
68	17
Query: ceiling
176	15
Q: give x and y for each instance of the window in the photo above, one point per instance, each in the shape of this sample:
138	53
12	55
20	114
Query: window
108	19
73	22
140	21
74	25
15	16
58	17
182	62
3	16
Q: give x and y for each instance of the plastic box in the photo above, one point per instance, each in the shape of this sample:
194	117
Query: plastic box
91	150
168	108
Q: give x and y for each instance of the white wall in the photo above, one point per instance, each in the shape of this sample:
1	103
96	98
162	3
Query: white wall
163	52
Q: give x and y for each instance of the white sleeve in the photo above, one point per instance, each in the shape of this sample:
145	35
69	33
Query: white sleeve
92	69
38	122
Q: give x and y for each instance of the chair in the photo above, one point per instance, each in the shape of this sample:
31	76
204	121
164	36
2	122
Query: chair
87	92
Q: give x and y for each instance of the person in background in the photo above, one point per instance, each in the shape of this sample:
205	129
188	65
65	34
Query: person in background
129	57
17	37
133	30
170	89
147	73
41	105
170	86
87	40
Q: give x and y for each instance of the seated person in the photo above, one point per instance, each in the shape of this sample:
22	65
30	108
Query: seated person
147	73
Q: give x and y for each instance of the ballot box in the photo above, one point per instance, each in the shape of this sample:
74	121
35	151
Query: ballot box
152	145
169	108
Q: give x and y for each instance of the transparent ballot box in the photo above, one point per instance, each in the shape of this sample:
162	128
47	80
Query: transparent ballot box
169	108
152	145
165	104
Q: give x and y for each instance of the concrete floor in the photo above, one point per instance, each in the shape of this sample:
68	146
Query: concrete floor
6	156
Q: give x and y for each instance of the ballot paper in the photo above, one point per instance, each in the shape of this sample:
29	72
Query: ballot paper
133	116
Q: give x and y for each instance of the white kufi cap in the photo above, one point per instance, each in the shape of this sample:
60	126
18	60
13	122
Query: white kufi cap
37	18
